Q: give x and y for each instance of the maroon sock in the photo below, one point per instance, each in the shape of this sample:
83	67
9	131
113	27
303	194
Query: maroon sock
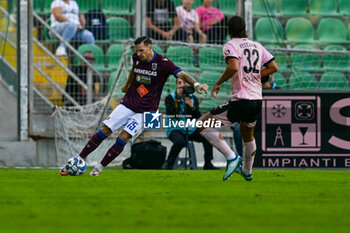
113	152
92	144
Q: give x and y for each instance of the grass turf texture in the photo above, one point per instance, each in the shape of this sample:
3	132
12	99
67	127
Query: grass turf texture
174	201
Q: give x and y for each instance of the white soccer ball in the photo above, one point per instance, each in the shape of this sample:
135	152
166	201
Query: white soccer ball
76	166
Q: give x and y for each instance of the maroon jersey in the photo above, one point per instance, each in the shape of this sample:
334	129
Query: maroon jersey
147	84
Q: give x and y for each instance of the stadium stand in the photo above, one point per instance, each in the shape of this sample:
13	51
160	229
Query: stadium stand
196	3
334	81
46	7
344	7
280	80
305	61
169	87
158	49
118	29
208	104
210	78
299	30
98	54
264	7
182	56
331	30
281	59
117	7
114	55
86	5
268	30
132	7
336	62
288	25
293	7
302	81
122	79
37	6
227	7
323	8
46	36
211	59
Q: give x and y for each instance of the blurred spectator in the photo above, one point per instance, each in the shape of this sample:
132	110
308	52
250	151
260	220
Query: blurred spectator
159	27
189	21
212	22
180	104
77	92
67	21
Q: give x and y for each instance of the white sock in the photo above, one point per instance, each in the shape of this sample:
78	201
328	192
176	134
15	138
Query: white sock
231	156
100	167
248	158
216	139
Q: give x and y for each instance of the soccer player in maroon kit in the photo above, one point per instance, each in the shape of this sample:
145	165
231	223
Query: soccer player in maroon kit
143	90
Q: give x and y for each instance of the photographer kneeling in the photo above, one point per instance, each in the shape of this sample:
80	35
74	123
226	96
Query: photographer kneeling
181	105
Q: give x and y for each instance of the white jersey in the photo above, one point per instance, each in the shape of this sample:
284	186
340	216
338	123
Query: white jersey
69	11
252	56
187	18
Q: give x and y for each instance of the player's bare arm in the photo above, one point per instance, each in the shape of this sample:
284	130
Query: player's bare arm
231	70
128	82
191	81
270	68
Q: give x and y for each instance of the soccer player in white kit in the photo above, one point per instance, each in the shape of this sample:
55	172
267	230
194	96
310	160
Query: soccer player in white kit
245	61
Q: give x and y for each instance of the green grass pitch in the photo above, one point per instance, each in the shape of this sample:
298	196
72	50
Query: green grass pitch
174	201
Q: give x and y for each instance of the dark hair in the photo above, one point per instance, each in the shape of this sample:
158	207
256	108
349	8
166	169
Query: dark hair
236	27
88	51
143	39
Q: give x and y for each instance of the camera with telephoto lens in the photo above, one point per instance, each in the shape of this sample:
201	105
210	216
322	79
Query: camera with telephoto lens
187	90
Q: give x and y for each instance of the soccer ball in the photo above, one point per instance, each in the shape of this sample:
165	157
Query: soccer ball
76	166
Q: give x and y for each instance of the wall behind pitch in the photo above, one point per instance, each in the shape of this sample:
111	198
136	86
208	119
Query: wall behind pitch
304	130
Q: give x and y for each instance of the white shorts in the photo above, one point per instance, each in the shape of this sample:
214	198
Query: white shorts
122	115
